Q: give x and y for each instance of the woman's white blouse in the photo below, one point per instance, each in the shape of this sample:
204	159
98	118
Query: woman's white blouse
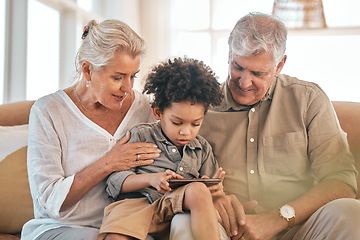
62	142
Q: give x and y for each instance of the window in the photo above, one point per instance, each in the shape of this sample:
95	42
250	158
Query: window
342	13
2	47
42	57
328	60
201	28
85	4
193	35
327	57
43	50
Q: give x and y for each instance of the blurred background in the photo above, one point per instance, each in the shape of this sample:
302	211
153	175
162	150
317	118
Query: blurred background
39	39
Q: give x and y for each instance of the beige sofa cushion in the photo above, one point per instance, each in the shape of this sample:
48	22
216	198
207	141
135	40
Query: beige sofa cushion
15	201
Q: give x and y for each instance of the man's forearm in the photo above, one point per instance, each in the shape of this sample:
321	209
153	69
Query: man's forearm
318	196
304	207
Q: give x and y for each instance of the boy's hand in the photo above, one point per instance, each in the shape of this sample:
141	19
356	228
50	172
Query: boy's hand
218	189
159	180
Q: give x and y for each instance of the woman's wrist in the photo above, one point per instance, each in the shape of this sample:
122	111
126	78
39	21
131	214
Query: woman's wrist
105	165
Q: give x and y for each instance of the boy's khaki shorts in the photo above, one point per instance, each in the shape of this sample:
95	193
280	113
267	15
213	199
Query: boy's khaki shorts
137	217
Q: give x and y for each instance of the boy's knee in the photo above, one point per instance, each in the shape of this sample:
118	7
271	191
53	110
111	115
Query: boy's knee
198	188
197	197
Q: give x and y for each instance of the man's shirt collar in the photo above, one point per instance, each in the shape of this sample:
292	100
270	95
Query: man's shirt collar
229	104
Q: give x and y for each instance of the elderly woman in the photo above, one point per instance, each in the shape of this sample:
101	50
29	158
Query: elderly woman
75	135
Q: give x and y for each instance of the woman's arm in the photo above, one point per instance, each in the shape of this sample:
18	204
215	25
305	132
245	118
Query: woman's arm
66	158
122	156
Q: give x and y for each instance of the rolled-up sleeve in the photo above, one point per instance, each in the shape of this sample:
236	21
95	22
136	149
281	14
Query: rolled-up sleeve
115	181
48	183
329	151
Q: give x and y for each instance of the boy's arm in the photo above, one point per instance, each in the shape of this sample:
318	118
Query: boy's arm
116	180
128	181
136	182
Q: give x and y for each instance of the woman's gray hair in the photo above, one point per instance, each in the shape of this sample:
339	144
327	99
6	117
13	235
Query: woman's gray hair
102	40
258	32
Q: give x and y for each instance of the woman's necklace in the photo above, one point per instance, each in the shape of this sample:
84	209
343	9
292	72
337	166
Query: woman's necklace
85	110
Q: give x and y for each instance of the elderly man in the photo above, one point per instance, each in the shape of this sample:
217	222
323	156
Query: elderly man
289	171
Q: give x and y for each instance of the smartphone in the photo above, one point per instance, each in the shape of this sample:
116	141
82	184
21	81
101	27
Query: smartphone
174	183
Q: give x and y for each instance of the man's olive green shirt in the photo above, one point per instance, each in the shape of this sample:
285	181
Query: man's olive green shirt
276	150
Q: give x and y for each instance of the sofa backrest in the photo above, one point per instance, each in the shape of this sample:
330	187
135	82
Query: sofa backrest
17	113
349	117
348	114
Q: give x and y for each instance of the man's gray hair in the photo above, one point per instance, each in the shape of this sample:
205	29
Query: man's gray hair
256	33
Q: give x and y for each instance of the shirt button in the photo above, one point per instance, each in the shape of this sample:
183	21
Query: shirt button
252	171
181	169
252	140
173	150
253	109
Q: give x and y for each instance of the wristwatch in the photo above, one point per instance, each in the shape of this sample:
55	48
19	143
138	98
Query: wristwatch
287	212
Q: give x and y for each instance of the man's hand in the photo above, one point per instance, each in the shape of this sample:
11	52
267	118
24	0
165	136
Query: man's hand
218	189
231	213
261	226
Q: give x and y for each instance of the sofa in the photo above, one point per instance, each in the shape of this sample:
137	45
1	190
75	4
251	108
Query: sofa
15	199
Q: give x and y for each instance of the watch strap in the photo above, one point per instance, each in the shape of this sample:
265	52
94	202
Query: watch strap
291	222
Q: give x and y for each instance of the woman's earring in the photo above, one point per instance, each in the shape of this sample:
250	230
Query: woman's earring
87	83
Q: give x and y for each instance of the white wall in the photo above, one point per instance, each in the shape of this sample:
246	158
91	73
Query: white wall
150	20
155	29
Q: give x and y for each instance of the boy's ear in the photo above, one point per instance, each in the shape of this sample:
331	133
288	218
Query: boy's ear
157	113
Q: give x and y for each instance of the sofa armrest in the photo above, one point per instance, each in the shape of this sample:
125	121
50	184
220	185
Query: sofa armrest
15	113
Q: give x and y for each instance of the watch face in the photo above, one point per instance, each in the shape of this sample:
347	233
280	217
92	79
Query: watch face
287	211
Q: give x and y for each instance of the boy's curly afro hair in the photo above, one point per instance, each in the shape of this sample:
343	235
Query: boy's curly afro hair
183	79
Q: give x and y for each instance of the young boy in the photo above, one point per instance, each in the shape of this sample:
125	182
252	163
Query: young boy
182	91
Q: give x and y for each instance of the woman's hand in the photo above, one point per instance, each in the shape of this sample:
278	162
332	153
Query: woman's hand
159	180
124	156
